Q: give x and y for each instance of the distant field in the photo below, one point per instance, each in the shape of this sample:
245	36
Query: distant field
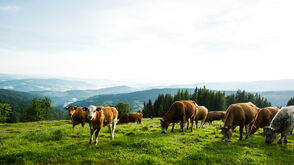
55	142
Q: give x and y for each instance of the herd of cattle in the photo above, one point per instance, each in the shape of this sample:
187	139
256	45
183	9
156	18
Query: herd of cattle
271	119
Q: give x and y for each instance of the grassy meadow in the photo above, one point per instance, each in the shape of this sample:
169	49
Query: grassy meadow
55	142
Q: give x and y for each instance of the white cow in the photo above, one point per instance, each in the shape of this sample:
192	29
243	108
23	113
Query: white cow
283	122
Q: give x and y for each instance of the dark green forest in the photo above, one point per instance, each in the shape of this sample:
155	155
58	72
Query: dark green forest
212	100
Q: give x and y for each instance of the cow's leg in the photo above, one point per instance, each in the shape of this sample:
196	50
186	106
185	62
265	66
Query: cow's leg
113	127
285	139
172	130
97	134
210	123
188	122
241	131
182	126
83	124
92	132
110	129
280	140
192	121
202	122
196	123
182	123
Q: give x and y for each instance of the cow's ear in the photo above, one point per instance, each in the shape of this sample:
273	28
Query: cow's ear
85	108
65	108
98	108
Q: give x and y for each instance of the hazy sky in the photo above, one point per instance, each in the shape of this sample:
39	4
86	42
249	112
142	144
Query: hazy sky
159	41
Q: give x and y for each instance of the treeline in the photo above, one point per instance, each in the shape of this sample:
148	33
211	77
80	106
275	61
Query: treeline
213	100
39	109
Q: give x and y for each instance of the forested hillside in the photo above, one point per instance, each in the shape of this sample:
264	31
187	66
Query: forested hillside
19	101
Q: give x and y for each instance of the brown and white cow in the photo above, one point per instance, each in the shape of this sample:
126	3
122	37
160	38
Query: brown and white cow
179	111
201	115
283	123
77	115
262	119
135	117
214	116
240	114
101	116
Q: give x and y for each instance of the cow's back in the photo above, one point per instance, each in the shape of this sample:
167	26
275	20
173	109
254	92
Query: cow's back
180	108
241	113
110	113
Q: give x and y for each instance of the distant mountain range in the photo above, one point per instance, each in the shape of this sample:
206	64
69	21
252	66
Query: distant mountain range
43	83
64	91
61	99
255	86
27	85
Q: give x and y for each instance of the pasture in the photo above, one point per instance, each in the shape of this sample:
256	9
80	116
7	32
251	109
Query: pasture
55	142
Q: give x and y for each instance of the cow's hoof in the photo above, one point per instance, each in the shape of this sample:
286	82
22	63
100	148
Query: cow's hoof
285	141
280	142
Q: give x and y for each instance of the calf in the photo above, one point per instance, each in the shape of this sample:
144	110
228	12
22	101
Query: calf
100	116
77	115
215	115
131	117
240	114
262	119
179	111
283	122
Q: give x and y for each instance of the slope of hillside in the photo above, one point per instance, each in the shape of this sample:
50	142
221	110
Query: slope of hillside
61	99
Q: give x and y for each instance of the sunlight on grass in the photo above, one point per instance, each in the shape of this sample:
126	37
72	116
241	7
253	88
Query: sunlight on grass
51	142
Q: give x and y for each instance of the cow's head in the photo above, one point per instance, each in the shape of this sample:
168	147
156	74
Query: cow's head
71	110
227	132
164	125
92	111
270	134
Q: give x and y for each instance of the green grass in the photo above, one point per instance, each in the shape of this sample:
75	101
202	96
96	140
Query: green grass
55	142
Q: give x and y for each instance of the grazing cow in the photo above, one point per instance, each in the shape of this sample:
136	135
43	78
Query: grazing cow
283	122
240	114
179	111
77	115
215	115
131	117
262	119
201	115
100	116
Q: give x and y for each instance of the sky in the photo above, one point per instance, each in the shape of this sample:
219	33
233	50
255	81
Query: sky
154	41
